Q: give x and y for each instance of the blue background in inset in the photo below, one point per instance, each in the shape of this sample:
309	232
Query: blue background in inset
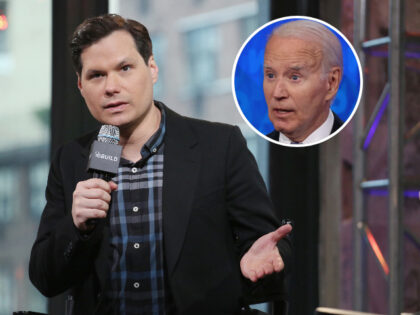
249	80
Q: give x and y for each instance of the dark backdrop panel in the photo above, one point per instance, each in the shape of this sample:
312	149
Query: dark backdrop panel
294	188
298	7
69	115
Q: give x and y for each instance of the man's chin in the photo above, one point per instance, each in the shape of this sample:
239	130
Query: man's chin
284	129
290	133
110	122
117	120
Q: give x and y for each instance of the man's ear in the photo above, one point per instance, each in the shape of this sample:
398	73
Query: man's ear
153	68
79	83
334	79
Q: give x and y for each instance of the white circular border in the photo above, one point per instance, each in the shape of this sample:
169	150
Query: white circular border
354	54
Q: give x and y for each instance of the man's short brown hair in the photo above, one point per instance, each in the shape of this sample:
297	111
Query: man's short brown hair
96	28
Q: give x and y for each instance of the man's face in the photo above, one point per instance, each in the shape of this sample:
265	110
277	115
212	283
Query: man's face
297	93
115	82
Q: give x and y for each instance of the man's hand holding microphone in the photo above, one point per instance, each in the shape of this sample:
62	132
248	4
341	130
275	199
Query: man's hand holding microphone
92	197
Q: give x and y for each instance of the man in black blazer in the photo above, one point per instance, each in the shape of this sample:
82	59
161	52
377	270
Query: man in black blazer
190	225
302	72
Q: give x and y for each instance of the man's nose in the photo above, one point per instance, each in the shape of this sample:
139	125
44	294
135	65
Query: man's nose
280	89
112	84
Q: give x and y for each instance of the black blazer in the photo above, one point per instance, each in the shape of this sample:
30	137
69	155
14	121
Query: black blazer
337	124
215	205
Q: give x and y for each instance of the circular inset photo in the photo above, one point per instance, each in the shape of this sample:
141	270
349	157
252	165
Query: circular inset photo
297	81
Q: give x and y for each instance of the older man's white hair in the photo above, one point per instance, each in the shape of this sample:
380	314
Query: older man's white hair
317	33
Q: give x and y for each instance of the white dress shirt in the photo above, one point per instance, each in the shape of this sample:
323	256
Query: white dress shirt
319	134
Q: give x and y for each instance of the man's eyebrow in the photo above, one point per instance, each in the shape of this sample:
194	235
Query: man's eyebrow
119	65
297	67
124	62
90	72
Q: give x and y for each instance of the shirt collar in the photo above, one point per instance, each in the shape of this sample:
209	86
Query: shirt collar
319	134
155	141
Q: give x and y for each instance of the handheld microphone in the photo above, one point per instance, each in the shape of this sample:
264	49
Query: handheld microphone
104	156
105	153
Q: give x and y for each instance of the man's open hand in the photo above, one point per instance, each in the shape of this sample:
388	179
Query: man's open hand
263	258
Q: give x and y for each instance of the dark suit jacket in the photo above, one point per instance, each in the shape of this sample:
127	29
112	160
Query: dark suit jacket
215	205
337	124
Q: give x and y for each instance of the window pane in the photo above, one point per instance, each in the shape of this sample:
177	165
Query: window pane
202	48
25	89
7	194
37	184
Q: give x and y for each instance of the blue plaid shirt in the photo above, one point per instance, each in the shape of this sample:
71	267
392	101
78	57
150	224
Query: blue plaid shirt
137	272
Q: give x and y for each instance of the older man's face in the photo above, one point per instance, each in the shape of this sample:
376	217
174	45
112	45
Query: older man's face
297	92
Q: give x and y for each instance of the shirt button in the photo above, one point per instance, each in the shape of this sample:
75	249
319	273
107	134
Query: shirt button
136	245
134	169
136	285
135	209
154	150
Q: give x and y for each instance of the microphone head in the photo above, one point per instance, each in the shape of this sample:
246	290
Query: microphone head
109	134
